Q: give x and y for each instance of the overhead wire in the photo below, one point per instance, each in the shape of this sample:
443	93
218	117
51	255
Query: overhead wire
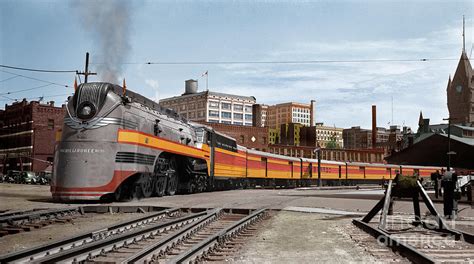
282	61
29	98
36	79
28	89
36	70
7	79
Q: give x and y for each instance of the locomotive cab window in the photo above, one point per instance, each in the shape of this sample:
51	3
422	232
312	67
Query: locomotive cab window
200	135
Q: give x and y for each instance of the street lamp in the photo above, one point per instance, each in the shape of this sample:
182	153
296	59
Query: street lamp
449	153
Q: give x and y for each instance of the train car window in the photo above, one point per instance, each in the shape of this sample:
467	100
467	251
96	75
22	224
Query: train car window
340	170
225	143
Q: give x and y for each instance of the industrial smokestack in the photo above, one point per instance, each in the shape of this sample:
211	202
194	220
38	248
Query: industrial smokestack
312	114
374	126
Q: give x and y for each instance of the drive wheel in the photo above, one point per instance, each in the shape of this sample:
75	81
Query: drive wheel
146	186
172	177
160	186
192	187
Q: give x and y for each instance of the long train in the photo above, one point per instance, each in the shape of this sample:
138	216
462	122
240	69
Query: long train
117	144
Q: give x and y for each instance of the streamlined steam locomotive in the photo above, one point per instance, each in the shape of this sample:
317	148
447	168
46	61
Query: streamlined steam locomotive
117	144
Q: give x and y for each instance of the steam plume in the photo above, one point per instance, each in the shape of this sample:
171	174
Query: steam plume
108	22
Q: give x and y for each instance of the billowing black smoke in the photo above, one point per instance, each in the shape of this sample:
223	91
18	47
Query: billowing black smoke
108	22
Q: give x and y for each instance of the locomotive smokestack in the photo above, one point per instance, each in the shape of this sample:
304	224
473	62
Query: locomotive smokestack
374	126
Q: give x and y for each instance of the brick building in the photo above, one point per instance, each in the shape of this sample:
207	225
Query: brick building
460	92
259	115
355	155
211	107
247	136
292	112
27	135
358	138
327	135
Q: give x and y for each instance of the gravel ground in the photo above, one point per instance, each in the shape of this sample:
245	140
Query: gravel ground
293	237
57	231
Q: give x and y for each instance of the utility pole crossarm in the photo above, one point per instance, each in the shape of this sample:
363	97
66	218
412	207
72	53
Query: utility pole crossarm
86	72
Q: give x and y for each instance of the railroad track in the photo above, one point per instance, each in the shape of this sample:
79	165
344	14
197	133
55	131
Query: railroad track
174	239
419	244
38	254
20	221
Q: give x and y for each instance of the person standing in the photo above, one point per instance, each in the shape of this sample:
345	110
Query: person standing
435	176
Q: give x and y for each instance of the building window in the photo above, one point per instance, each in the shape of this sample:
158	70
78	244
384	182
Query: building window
238	123
248	108
242	139
50	124
238	107
201	114
238	116
248	117
183	107
213	104
226	115
213	113
213	121
226	106
226	122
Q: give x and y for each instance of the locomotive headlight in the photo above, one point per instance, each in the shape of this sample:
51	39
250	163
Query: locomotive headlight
86	110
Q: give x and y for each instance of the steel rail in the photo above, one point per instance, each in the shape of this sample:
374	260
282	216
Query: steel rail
406	250
96	248
214	241
38	214
467	237
147	253
36	253
19	212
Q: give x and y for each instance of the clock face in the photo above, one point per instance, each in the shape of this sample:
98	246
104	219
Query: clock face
459	88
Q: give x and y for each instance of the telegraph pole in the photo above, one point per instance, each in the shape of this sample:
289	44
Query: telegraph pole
86	72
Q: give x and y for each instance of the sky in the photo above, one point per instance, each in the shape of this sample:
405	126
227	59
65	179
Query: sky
123	36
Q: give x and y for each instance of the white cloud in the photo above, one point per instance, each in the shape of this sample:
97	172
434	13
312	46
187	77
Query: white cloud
345	91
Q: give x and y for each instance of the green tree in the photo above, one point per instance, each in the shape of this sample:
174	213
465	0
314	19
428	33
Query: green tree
332	144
